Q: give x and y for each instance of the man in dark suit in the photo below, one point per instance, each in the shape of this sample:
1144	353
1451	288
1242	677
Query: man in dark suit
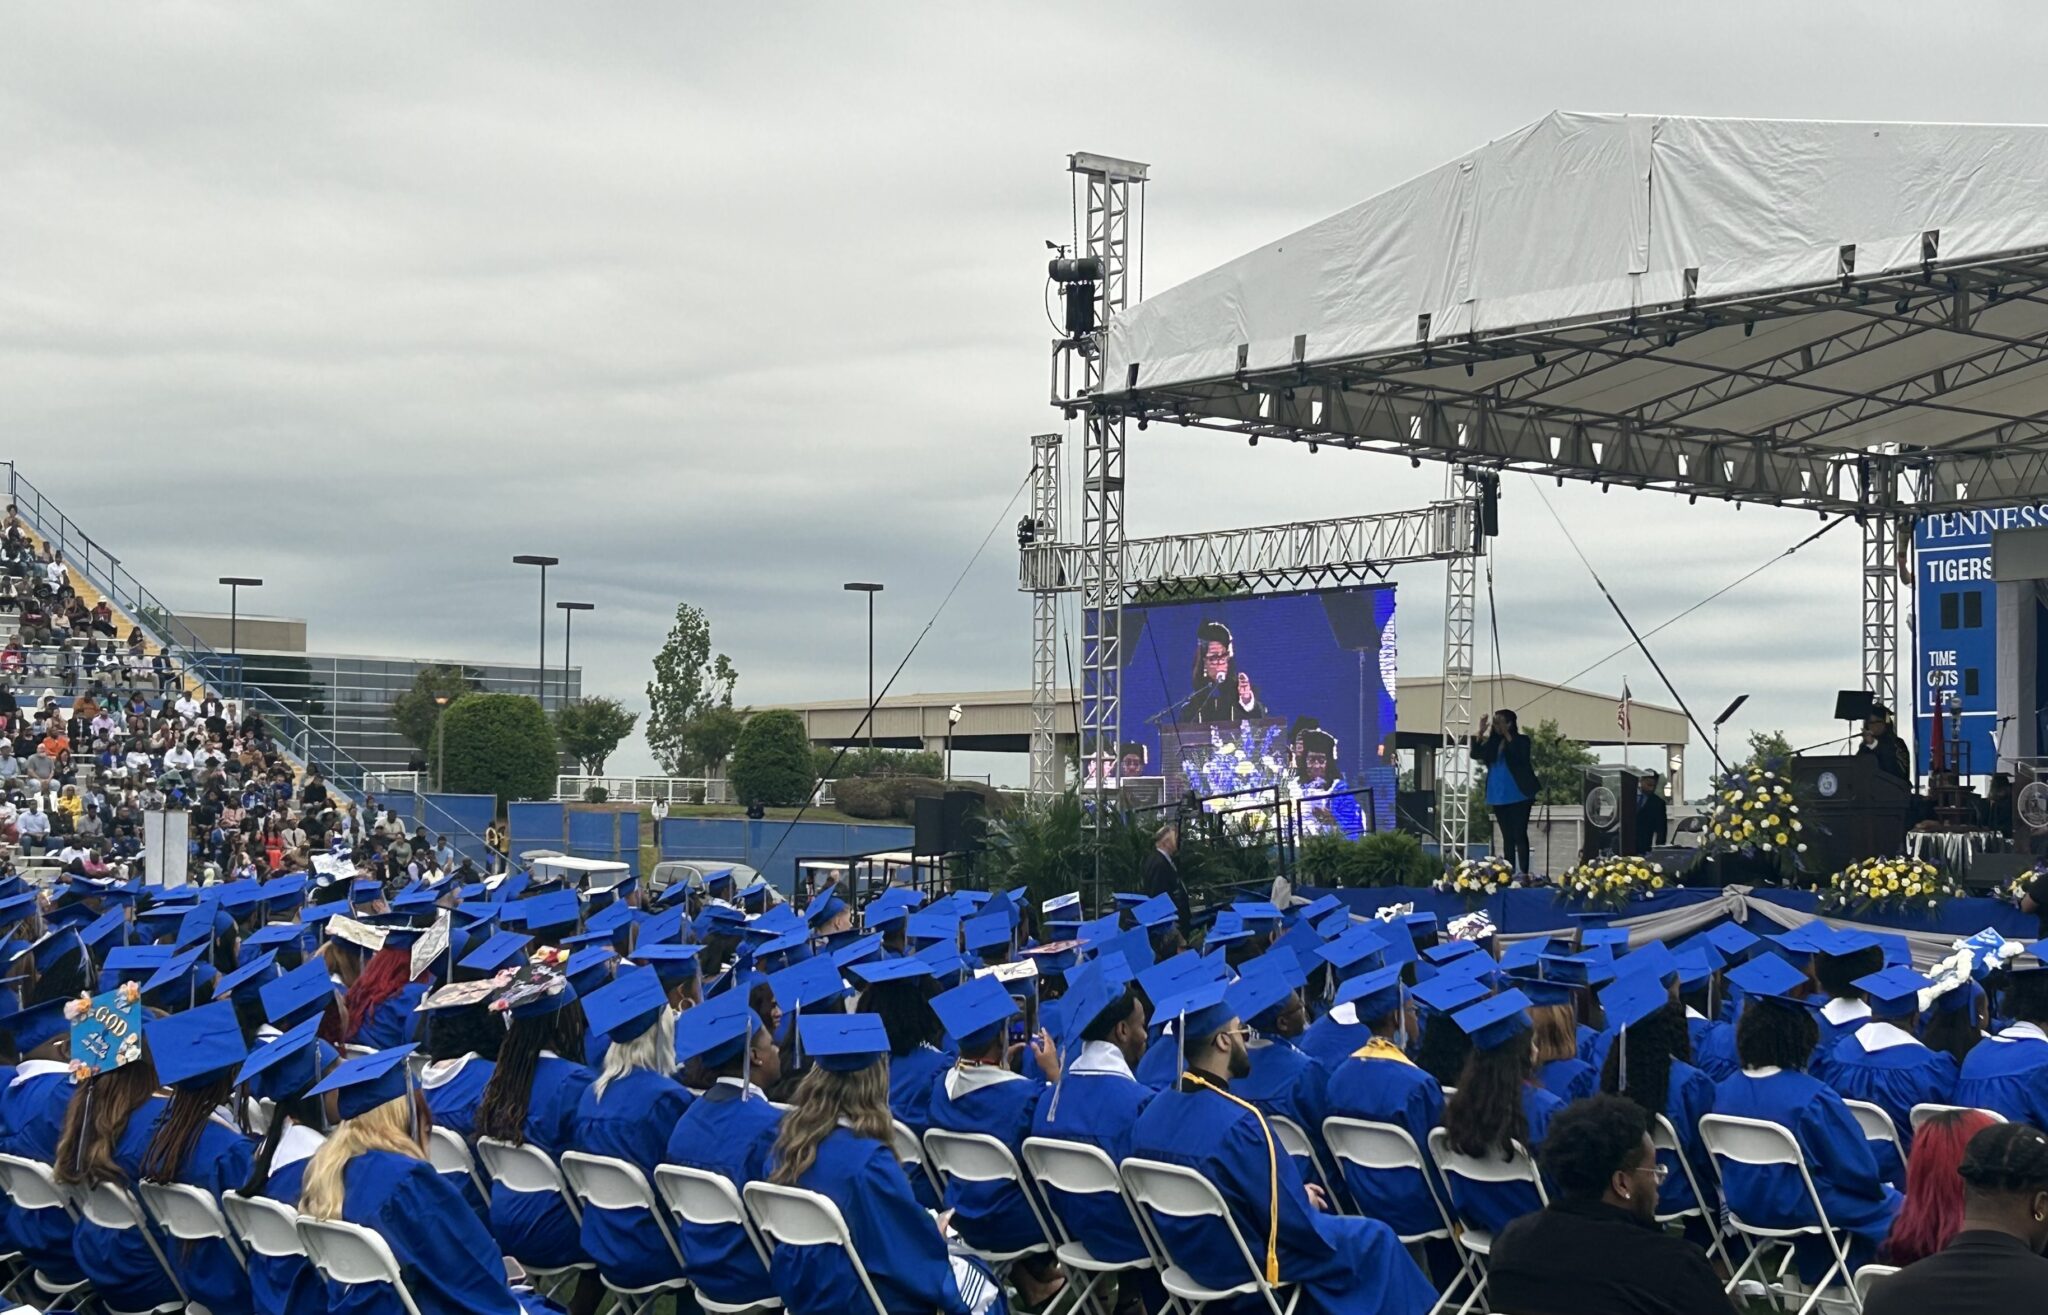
1162	876
1884	746
1653	828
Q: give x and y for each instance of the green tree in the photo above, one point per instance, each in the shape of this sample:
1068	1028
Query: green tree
590	730
1766	749
771	764
415	712
711	734
499	744
862	761
1560	763
688	682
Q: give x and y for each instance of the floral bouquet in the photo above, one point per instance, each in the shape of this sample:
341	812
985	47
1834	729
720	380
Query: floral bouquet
1476	878
1610	883
2012	892
1894	884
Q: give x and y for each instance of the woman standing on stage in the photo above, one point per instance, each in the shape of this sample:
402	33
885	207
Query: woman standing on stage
1511	783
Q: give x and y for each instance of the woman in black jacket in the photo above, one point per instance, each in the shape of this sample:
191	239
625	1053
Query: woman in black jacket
1509	793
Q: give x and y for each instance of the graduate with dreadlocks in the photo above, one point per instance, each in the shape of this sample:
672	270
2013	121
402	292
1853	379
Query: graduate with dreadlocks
1345	1265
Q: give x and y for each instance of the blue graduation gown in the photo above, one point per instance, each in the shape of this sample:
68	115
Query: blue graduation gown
1347	1265
450	1263
1713	1047
1492	1206
1331	1039
1891	1069
1592	1044
897	1241
1159	1068
2008	1073
1568	1079
393	1023
631	1121
32	1108
724	1134
911	1078
1097	1109
1848	1016
1379	1086
452	1100
1688	1094
989	1216
1837	1157
1286	1081
536	1228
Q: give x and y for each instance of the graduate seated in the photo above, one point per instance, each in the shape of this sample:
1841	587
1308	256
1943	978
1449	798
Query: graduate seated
1345	1265
1885	1063
462	1047
1775	1038
1700	986
980	1093
32	1104
1933	1212
284	1071
1284	1080
373	1172
1840	958
730	1130
628	1113
1648	1065
1380	1084
837	1141
1498	1104
1993	1264
899	992
1596	1248
1559	1070
2008	1072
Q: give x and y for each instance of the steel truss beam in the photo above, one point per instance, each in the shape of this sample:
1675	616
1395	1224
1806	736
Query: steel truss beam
1454	763
1881	610
1045	623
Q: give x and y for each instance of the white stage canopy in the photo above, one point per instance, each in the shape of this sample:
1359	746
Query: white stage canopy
1833	315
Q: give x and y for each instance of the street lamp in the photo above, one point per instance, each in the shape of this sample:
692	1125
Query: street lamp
540	677
859	587
953	715
236	584
440	743
569	611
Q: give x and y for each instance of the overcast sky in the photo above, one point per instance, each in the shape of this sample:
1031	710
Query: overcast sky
731	303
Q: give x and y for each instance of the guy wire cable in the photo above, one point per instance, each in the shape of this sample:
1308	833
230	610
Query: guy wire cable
1655	665
1001	519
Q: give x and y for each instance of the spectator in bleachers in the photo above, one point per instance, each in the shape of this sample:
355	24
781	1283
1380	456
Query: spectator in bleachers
34	828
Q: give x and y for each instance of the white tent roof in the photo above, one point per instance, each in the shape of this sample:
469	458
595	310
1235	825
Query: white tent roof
1741	308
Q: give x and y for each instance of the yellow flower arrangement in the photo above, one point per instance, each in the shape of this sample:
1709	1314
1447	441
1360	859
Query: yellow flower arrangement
1476	878
1614	881
1898	883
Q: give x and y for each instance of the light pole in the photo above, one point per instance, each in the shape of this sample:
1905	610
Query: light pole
860	587
569	611
540	677
236	584
953	715
440	743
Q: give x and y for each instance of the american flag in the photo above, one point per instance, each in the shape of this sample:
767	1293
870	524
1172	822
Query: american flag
1621	711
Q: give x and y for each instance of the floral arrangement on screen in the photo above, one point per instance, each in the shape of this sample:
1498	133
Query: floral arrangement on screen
1476	878
1609	883
1896	884
1255	755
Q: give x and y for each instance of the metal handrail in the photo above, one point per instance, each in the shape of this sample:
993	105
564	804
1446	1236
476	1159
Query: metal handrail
220	672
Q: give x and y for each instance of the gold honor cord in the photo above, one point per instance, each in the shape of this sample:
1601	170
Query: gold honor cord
1272	1175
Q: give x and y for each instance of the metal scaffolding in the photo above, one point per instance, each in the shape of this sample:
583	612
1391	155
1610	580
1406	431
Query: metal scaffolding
1454	763
1045	622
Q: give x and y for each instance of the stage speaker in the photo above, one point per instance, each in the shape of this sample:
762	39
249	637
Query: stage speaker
965	822
928	821
1990	871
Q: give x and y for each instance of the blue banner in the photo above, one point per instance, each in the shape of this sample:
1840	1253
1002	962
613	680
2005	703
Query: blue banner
1956	610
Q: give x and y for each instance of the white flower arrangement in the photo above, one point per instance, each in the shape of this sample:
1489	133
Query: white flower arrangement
1477	877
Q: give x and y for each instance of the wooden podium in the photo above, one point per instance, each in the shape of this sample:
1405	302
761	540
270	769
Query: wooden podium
1852	811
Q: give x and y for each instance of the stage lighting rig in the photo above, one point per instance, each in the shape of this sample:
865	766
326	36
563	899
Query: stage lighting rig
1077	277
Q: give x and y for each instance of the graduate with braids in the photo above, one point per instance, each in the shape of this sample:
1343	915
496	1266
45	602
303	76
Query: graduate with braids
1650	1064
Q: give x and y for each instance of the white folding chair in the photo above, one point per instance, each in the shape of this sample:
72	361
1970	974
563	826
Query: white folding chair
976	1157
1758	1143
794	1217
1877	1126
910	1151
29	1185
267	1228
525	1168
1516	1167
1919	1114
110	1206
603	1183
1665	1137
1180	1193
1079	1169
352	1256
189	1215
1868	1278
449	1154
1387	1148
1294	1139
704	1199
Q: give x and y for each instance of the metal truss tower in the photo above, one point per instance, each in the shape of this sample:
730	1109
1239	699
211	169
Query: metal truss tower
1881	587
1454	763
1045	623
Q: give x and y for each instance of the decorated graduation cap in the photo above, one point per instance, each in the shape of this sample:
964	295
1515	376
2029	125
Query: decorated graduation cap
193	1047
1769	978
843	1043
624	1008
286	1065
367	1081
1893	992
716	1031
974	1011
37	1025
1494	1022
299	994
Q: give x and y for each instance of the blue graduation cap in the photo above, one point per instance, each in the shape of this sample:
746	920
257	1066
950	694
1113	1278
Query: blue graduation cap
1443	953
537	913
1695	968
196	1045
133	962
1541	991
1373	995
716	1030
1898	952
1089	992
501	951
559	995
1495	1022
1157	911
1843	941
716	879
248	979
1333	924
812	982
929	926
1067	906
1590	919
301	993
873	972
1633	997
365	892
612	917
1257	998
1445	994
176	976
1200	1010
1803	942
1164	980
666	925
53	947
1354	950
275	933
1228	929
37	1025
1652	958
1732	939
945	960
287	1064
824	906
853	948
988	931
974	1010
364	1083
776	923
1317	909
1614	938
1575	969
1894	992
1523	953
1103	928
58	919
1419	924
672	963
415	898
1768	977
1257	915
588	969
843	1043
890	914
627	1006
1135	946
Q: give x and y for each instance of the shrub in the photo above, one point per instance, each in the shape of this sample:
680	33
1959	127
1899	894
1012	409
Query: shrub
498	744
771	764
1383	858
